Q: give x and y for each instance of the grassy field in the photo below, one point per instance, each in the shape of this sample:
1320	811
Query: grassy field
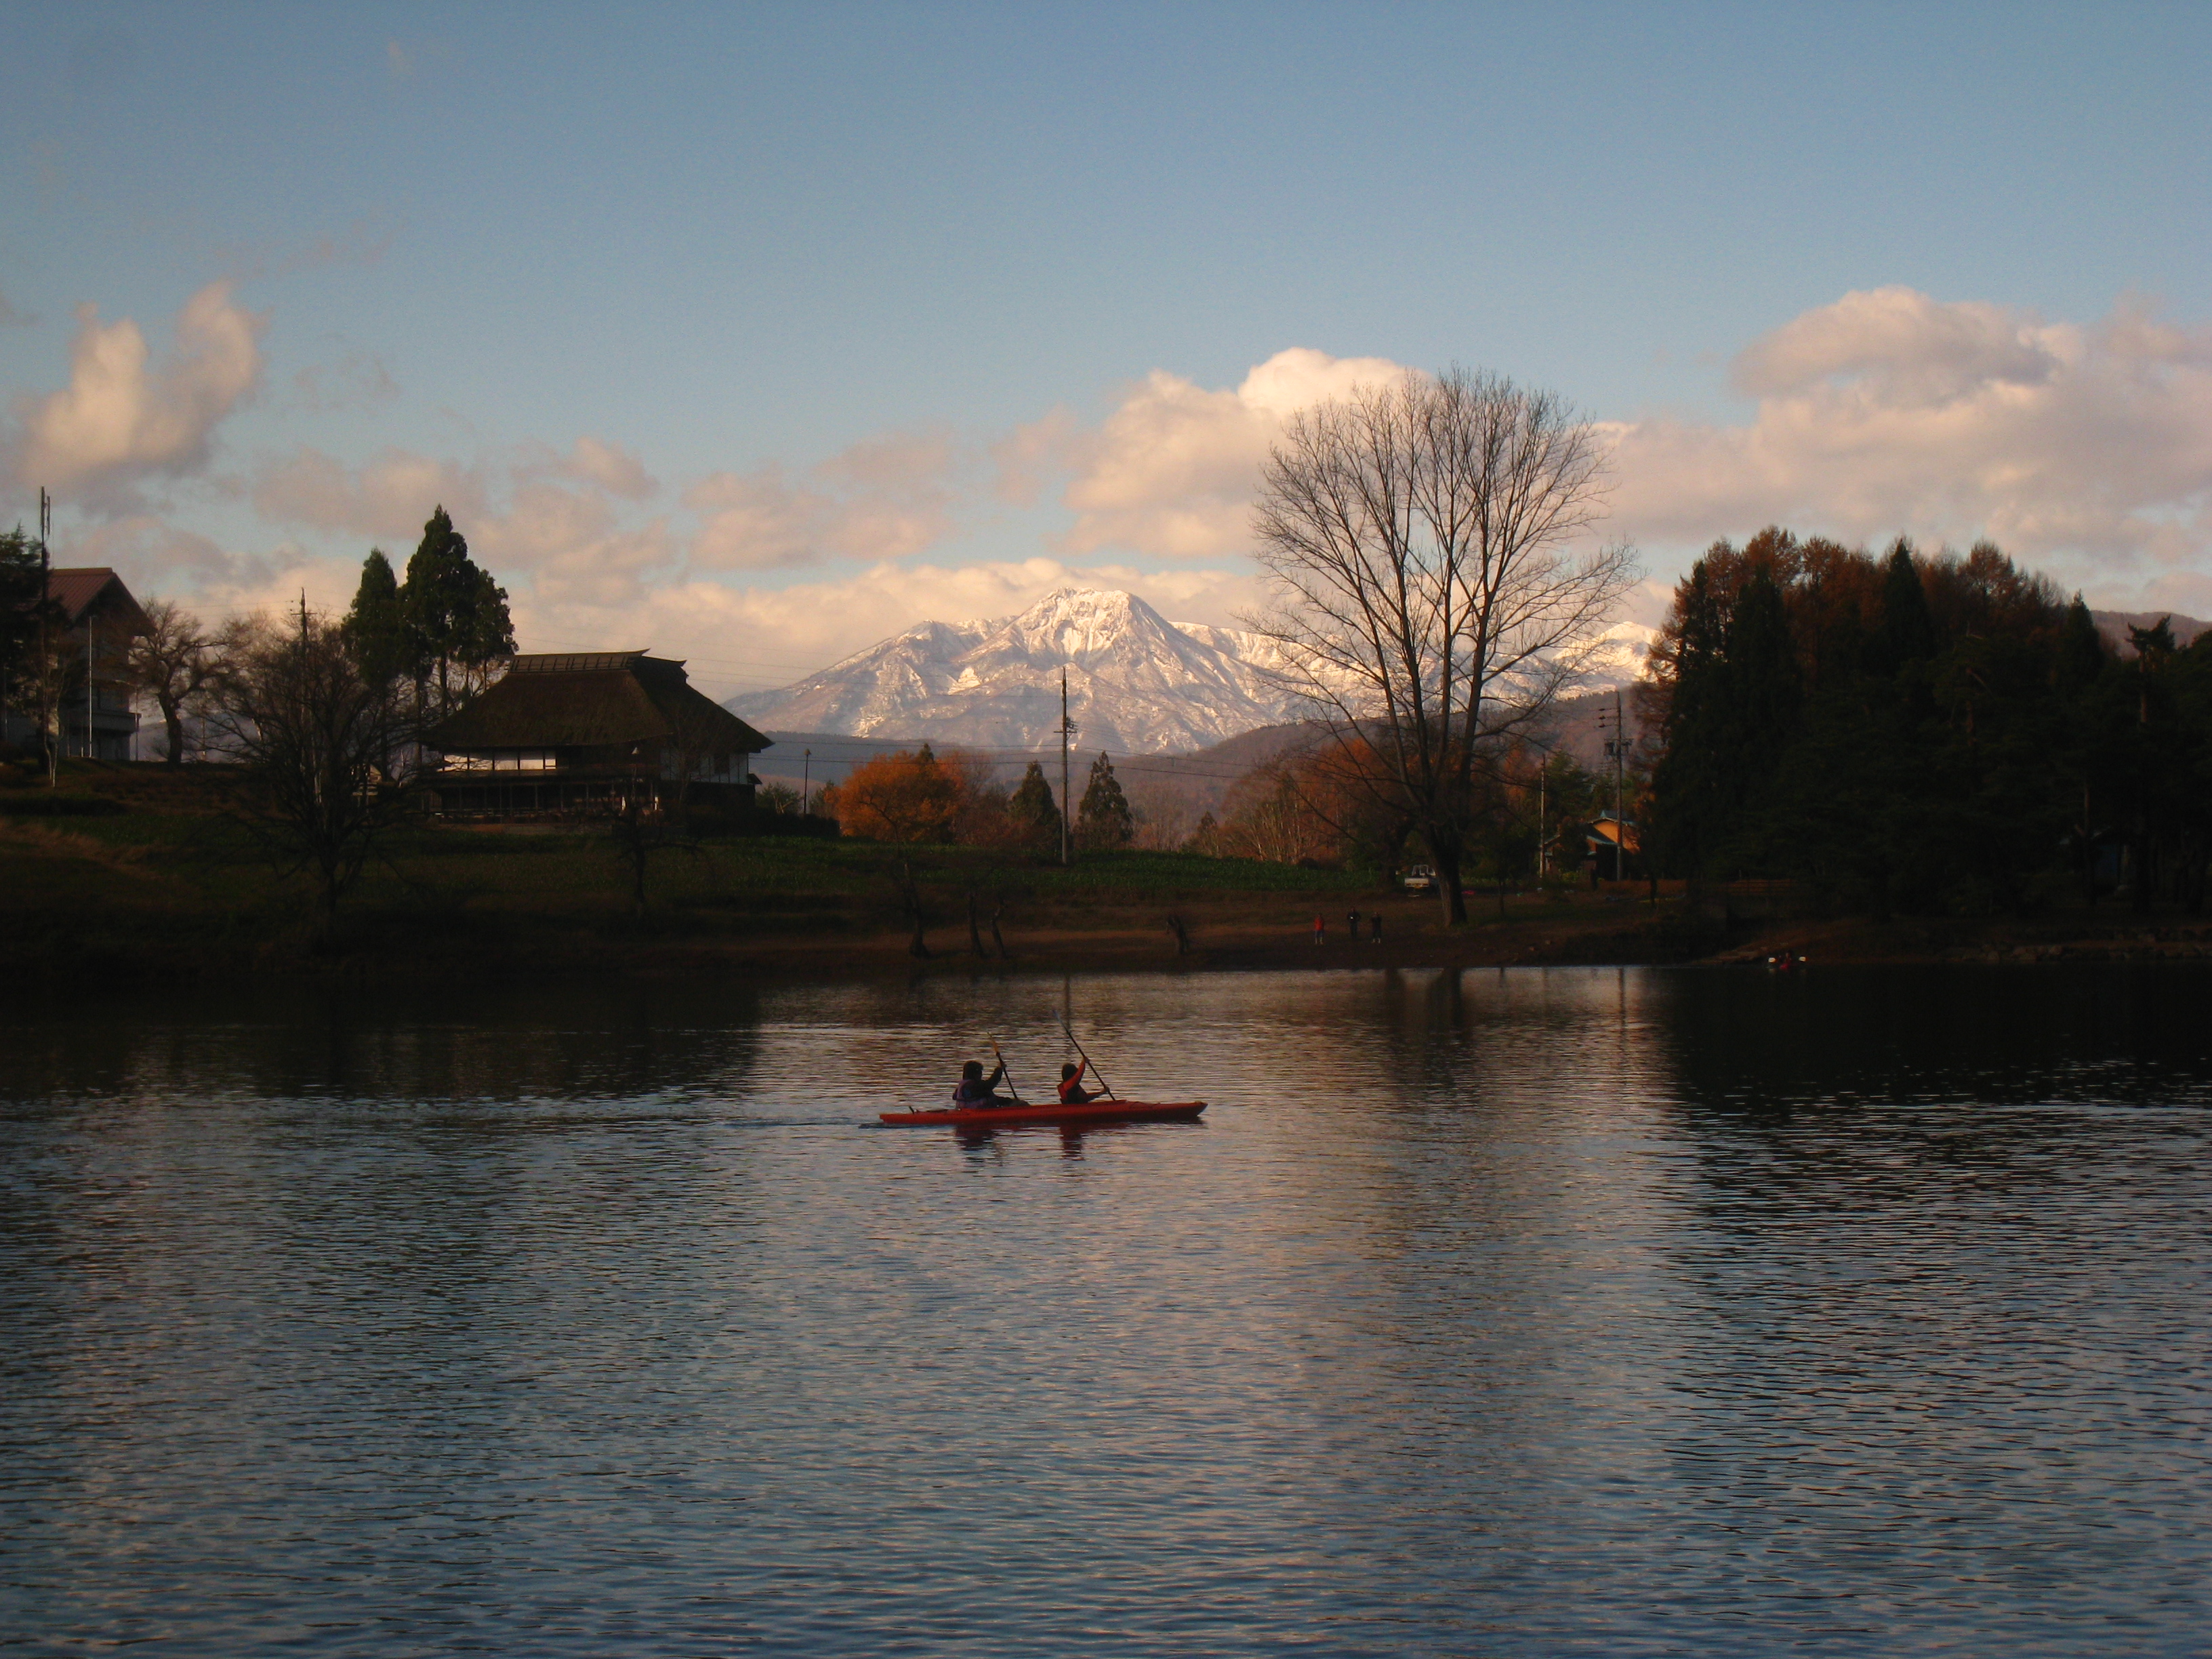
143	873
173	883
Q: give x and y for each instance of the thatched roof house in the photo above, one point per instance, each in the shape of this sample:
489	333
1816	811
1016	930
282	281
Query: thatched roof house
581	732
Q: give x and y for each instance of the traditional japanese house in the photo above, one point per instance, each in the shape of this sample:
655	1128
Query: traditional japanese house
574	734
87	693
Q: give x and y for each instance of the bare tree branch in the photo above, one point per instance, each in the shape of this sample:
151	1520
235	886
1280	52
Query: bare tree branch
1429	600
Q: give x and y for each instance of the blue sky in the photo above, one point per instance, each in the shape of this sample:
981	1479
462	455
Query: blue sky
863	314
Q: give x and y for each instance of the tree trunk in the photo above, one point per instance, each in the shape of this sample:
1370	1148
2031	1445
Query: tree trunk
997	937
910	895
1444	851
975	929
172	717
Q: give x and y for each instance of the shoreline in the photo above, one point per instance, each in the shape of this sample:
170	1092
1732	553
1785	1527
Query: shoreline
1582	939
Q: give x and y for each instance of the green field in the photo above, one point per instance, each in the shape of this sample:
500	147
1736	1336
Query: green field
175	883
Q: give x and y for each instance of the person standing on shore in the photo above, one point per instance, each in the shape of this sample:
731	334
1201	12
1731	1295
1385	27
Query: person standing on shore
1375	922
1351	926
1320	931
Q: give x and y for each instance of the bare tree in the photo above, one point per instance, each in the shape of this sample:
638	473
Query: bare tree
174	662
323	747
1429	599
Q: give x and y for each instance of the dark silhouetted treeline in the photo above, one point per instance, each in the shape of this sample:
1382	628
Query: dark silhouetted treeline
1937	734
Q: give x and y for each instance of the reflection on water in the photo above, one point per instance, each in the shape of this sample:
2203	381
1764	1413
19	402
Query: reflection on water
1521	1312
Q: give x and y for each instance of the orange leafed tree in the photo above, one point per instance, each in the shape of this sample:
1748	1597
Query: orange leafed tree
906	797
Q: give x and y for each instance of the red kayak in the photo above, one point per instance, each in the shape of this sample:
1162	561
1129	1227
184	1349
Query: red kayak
1096	1111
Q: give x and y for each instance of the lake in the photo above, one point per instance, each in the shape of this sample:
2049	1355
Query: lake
1528	1312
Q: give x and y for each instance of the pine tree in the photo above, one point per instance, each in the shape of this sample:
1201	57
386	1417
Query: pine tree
1906	633
21	601
1104	819
1032	807
456	614
376	627
2082	650
1765	692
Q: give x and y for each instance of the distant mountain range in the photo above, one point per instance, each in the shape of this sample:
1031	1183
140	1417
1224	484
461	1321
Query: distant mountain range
1137	683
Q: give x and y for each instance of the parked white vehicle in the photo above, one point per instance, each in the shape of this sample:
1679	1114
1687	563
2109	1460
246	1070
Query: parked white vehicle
1421	878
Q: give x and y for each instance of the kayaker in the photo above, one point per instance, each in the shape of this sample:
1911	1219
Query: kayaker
1072	1091
974	1092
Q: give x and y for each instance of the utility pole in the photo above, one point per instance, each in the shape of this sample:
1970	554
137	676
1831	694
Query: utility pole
45	603
1065	732
1617	747
1543	851
90	657
1619	763
805	780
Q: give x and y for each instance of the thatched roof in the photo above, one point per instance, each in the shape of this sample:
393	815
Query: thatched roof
591	700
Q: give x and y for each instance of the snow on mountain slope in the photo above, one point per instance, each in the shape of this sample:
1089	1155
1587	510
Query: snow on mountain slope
1137	683
1616	656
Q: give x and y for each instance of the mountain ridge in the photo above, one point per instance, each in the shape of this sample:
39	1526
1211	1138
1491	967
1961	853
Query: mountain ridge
1137	683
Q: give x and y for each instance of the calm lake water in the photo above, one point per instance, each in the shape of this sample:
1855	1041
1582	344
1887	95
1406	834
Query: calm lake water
1533	1312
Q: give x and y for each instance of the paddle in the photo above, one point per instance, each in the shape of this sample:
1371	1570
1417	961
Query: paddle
1001	1059
1103	1082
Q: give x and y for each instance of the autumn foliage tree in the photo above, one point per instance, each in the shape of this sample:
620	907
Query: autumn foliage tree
909	797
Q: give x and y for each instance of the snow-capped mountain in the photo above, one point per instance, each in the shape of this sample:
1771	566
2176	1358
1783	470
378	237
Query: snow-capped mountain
1616	656
1137	682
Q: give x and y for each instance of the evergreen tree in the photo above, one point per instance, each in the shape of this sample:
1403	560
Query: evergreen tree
1689	787
2084	749
2082	650
1032	808
1907	632
1763	692
21	605
376	626
1104	819
456	615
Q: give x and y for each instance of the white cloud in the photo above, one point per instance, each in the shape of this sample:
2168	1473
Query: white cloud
2088	449
570	541
159	557
387	500
886	498
357	380
1172	470
122	418
756	521
609	467
571	545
